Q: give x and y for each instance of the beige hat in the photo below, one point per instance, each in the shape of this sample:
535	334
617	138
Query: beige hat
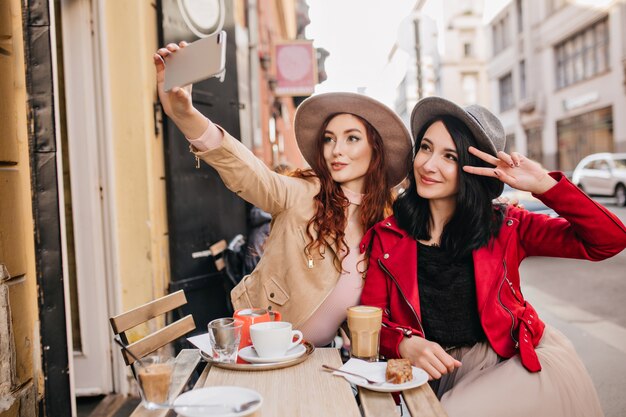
397	143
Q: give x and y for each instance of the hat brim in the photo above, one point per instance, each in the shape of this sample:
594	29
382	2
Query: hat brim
396	138
430	108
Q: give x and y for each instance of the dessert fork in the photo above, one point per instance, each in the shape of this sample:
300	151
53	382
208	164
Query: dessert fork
369	381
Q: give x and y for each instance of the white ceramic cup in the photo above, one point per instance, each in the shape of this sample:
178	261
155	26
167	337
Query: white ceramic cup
273	339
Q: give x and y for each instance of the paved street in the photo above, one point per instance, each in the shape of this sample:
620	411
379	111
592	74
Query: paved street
586	301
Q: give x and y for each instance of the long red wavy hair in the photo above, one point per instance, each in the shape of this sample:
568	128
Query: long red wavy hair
331	203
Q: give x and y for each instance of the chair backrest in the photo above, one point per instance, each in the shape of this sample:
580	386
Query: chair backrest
121	323
217	251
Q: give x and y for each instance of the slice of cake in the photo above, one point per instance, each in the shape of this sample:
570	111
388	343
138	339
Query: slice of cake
399	371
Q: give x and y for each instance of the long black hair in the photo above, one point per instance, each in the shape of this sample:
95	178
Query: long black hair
475	219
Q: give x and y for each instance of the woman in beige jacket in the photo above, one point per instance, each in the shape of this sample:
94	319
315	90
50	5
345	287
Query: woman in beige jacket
311	270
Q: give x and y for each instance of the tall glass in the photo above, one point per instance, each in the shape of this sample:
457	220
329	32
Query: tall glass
364	323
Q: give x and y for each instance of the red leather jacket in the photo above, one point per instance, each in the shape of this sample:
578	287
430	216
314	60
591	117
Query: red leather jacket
585	230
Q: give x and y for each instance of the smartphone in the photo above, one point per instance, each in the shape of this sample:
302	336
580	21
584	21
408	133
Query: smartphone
202	59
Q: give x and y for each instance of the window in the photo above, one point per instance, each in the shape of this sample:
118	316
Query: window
619	163
500	34
582	135
534	144
602	45
522	79
469	82
507	100
583	55
599	164
467	50
589	53
603	165
520	16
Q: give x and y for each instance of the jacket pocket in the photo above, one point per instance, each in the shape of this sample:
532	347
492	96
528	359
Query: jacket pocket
274	292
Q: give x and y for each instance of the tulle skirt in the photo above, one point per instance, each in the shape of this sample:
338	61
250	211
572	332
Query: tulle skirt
486	385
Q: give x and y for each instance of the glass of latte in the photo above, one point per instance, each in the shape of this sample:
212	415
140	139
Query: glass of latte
364	323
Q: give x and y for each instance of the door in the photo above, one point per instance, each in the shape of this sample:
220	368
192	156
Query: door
201	210
83	195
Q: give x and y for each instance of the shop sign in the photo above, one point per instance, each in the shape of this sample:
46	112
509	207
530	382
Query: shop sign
580	101
296	68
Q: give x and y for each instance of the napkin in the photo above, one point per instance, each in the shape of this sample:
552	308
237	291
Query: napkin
370	370
202	342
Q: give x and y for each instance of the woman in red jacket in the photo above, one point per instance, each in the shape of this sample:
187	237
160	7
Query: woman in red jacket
444	269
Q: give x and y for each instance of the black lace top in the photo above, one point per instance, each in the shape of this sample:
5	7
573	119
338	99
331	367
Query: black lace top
447	294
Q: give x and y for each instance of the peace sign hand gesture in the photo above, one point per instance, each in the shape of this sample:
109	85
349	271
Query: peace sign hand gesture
515	170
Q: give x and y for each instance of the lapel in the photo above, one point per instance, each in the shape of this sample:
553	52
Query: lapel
402	265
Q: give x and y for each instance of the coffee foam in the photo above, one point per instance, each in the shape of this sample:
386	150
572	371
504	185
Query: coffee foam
364	310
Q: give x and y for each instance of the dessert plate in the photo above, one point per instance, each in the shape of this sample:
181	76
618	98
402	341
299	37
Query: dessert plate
376	371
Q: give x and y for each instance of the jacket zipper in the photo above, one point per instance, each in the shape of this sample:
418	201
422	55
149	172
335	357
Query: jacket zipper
310	264
505	278
403	296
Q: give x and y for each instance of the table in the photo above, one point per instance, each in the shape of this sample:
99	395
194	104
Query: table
303	390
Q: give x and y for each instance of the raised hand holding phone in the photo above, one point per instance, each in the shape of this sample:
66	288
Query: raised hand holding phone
177	102
202	59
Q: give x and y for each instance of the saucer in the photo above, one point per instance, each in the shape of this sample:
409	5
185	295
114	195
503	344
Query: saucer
189	404
248	354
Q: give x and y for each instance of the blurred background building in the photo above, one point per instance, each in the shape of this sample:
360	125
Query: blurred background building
418	39
448	57
463	76
553	71
556	72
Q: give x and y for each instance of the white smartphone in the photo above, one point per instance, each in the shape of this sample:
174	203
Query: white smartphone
202	59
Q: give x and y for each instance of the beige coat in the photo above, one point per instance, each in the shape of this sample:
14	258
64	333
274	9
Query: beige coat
286	279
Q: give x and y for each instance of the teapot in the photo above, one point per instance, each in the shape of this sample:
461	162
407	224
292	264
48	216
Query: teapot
250	316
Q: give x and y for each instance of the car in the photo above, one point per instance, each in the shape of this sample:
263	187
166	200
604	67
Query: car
527	201
602	175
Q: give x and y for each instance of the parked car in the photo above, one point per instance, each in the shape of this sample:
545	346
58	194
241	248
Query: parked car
602	175
527	200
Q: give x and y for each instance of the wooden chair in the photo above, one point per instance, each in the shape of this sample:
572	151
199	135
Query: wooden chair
216	250
125	321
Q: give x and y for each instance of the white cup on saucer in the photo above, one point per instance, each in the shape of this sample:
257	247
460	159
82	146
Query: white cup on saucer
273	339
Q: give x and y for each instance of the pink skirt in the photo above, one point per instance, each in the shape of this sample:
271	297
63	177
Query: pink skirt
486	385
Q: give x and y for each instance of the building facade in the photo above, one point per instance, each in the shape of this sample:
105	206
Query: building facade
462	70
418	39
557	74
447	60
